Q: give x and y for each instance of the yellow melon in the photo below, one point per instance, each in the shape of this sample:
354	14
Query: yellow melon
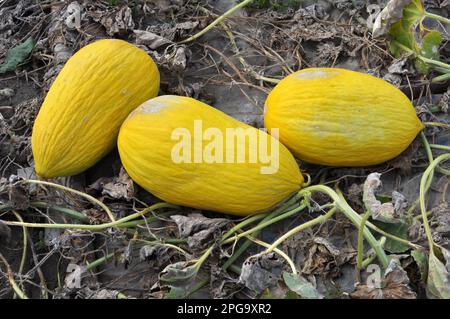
338	117
79	120
188	153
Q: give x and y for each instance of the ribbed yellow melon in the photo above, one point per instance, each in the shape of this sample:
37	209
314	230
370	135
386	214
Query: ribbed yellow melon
79	121
177	147
338	117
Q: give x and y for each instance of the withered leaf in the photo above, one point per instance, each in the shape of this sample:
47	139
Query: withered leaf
261	271
118	187
393	285
324	258
438	281
386	212
150	39
199	230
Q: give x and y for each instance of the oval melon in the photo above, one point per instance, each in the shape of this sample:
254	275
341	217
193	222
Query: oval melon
177	147
338	117
81	115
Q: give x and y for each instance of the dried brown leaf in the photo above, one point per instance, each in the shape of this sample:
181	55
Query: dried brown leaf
116	21
394	285
386	212
200	230
325	259
261	271
150	39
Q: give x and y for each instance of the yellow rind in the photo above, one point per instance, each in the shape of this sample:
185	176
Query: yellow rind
79	120
338	117
145	145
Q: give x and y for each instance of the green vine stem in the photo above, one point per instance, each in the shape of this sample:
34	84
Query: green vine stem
430	154
99	261
443	71
440	147
145	221
359	259
217	21
66	211
307	181
439	124
227	239
441	78
428	175
242	249
229	263
434	62
26	238
344	207
372	257
254	232
341	204
272	220
242	224
393	237
436	17
199	262
74	191
424	59
99	227
356	219
382	232
24	248
427	147
266	222
315	221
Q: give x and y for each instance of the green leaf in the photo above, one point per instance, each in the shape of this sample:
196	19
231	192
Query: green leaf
403	31
397	229
181	278
421	259
401	35
429	49
301	286
413	13
178	272
430	44
438	282
17	55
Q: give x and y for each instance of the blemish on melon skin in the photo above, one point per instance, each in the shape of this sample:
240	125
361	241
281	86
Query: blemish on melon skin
152	107
127	93
309	75
149	107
